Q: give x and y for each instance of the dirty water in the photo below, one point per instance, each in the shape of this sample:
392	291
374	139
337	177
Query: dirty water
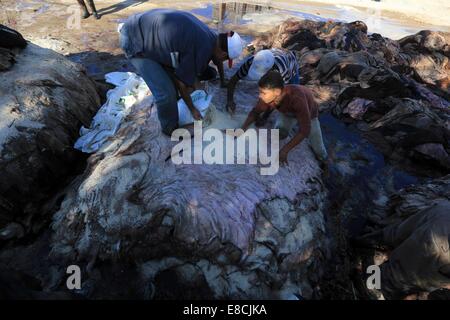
359	174
255	16
46	23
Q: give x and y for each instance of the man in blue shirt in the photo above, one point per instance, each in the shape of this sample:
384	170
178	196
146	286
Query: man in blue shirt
171	50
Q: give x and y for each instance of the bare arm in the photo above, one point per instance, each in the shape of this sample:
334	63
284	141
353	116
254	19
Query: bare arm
231	87
298	138
231	105
304	120
219	66
186	96
253	115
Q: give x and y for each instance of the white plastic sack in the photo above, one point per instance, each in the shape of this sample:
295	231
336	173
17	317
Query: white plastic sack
201	101
118	78
130	89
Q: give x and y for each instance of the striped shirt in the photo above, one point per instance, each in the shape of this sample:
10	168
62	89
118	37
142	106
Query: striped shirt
285	63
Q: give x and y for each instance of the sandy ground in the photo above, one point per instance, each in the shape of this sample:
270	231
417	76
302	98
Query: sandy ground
55	24
94	43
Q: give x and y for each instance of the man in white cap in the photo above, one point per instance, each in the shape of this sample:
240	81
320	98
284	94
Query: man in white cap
172	50
257	65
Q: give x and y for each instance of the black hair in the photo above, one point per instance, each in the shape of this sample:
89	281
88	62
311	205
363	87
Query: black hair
271	80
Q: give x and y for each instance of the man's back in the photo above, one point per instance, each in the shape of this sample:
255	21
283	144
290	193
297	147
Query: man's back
172	30
164	35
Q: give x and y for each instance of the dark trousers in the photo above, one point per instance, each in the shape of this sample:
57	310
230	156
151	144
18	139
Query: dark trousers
90	3
161	85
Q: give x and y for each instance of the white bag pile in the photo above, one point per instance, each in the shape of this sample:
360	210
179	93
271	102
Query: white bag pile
130	89
201	101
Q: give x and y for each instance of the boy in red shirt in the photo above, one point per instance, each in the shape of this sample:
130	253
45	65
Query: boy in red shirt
295	104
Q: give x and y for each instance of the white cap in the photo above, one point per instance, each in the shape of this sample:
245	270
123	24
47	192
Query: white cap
235	47
262	63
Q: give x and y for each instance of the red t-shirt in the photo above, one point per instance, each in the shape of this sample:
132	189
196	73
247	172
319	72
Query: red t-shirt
298	102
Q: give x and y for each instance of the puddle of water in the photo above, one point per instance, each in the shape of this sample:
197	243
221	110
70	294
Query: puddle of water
347	140
231	12
243	13
43	8
23	5
359	174
206	12
97	64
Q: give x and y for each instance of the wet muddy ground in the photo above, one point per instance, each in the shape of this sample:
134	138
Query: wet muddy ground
94	43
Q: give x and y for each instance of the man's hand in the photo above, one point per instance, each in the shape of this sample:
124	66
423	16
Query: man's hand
231	106
283	157
196	114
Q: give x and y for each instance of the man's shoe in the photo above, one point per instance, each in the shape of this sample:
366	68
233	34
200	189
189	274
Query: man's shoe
96	15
